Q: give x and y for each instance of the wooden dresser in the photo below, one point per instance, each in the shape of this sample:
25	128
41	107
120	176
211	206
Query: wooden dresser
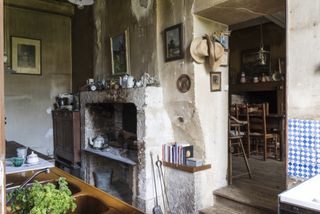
66	135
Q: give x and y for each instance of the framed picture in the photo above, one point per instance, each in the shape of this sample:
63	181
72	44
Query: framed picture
184	83
26	55
173	43
225	58
120	53
215	81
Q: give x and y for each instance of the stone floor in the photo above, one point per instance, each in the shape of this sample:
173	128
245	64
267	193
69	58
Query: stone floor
257	195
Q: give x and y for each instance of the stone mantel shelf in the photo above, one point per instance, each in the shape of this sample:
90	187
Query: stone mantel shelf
190	169
139	96
110	156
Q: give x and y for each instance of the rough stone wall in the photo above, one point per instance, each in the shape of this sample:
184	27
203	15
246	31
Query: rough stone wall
153	128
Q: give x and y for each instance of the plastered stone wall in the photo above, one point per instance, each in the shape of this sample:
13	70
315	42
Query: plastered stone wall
204	113
198	116
29	98
114	17
303	76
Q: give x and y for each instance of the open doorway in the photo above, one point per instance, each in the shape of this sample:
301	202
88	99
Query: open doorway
257	99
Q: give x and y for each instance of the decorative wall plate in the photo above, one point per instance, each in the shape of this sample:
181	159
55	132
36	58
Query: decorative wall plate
184	83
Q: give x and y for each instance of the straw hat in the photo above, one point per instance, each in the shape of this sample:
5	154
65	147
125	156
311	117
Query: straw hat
216	52
202	47
199	49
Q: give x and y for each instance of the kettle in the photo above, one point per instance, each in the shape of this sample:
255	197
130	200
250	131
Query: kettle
98	143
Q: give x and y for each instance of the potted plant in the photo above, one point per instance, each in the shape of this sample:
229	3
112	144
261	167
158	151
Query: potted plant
43	199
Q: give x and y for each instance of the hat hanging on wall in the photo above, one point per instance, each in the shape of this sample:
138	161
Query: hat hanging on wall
216	52
199	50
203	47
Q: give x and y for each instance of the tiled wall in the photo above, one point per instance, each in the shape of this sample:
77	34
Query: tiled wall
304	148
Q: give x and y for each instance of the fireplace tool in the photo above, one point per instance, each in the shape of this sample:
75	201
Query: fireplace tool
156	209
162	185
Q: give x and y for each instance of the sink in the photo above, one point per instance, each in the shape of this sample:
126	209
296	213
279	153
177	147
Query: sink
73	188
89	204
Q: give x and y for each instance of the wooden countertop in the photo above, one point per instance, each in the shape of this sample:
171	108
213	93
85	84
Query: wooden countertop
115	205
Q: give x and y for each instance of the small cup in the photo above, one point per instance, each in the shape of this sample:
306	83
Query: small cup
22	152
17	161
255	79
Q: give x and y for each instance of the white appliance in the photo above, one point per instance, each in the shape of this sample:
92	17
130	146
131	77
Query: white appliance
303	198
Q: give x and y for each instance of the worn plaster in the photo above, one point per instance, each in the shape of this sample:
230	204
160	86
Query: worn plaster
141	8
197	116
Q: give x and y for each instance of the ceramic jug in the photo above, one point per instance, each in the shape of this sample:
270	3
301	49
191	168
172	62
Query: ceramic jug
130	81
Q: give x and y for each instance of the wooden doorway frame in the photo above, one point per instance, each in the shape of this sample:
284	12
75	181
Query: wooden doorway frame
2	122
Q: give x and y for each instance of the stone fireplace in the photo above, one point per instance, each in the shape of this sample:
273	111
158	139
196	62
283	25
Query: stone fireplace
135	123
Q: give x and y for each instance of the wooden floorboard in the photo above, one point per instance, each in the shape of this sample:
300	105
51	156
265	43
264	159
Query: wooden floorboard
220	209
262	190
268	174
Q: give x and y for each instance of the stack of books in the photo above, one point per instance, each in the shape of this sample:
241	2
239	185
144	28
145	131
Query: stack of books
177	153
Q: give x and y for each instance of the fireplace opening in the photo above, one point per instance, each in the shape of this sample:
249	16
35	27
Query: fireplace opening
116	123
112	165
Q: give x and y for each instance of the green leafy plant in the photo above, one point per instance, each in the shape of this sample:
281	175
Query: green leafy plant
43	199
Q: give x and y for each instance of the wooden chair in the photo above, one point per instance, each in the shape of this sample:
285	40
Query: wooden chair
257	129
235	140
239	111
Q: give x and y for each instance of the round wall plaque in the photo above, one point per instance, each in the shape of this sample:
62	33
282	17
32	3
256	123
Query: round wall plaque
183	83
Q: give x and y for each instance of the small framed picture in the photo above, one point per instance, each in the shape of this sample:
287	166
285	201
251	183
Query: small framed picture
173	43
120	53
26	55
215	81
225	58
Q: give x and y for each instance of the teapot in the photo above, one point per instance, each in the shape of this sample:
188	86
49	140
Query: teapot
98	142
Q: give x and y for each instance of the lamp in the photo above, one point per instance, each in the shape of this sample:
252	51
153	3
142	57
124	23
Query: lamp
82	3
262	54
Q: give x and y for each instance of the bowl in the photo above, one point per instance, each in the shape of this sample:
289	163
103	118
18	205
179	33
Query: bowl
17	161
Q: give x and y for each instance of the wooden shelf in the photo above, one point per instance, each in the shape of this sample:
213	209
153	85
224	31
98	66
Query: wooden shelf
186	168
261	86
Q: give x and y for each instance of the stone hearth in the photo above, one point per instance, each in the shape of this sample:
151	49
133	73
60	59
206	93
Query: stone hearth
153	128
